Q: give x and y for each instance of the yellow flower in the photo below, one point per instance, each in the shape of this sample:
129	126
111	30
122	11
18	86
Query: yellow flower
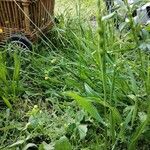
53	61
46	78
1	30
35	106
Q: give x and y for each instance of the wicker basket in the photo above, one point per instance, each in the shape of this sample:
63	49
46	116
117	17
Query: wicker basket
25	17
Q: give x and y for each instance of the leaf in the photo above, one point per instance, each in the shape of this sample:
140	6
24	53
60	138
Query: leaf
90	91
63	144
132	80
145	46
29	145
135	107
20	142
82	131
106	104
45	146
87	105
80	115
107	17
140	129
7	102
124	125
122	26
142	116
147	28
137	134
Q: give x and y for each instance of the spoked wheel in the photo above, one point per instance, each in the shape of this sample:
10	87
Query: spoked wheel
21	41
20	46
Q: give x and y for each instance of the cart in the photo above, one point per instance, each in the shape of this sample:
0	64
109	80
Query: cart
21	21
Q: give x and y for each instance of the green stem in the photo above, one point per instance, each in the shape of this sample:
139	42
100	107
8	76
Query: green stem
102	56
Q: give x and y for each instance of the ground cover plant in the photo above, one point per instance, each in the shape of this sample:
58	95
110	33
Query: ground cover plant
87	89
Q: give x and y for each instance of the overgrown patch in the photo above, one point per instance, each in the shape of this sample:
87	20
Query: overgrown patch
104	70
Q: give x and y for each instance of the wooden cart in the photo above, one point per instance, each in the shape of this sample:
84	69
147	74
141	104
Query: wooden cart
23	20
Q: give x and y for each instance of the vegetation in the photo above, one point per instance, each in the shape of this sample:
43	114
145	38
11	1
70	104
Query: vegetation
87	88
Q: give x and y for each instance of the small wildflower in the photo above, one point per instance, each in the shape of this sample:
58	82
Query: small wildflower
65	125
53	61
35	106
46	78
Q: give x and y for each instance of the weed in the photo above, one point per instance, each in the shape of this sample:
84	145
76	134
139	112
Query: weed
102	68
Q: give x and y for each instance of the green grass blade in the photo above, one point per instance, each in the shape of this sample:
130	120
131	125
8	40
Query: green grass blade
3	71
7	102
107	105
85	104
16	67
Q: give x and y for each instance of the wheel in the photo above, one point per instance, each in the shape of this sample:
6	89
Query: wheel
20	41
20	45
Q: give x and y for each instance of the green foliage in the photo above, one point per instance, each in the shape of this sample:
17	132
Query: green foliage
9	82
106	71
87	105
63	144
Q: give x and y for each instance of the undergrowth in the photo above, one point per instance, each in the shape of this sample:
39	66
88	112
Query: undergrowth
105	70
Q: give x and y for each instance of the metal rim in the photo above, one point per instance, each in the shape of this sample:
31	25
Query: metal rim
19	47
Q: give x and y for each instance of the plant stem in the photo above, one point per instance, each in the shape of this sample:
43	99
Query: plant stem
102	56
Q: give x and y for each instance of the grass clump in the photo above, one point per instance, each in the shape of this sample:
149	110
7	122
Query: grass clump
103	69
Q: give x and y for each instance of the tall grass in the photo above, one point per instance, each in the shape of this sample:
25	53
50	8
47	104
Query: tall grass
102	68
9	78
109	77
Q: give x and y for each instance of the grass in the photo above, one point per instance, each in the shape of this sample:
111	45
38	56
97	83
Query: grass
88	90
